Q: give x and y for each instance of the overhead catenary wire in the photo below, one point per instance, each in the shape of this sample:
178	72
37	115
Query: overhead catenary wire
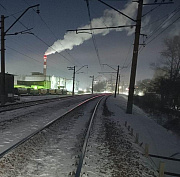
26	28
92	34
151	10
30	57
163	30
56	38
51	48
39	55
170	16
42	40
126	59
3	7
164	22
23	54
159	19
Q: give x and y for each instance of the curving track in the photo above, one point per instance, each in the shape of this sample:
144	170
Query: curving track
85	141
14	106
32	142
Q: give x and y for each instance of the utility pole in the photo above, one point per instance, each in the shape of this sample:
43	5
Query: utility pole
3	91
134	60
73	80
3	34
92	84
111	83
117	78
74	73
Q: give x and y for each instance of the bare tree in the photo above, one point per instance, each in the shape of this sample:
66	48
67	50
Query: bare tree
171	57
100	86
167	73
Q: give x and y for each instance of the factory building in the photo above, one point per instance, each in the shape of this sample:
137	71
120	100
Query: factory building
38	80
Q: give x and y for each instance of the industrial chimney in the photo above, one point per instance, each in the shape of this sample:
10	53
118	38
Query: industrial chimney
45	61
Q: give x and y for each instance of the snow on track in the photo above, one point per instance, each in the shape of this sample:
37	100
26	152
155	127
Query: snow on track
17	124
53	152
110	150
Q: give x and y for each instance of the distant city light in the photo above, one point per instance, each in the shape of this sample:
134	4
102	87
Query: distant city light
140	93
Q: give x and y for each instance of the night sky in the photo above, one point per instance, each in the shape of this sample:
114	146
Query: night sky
24	52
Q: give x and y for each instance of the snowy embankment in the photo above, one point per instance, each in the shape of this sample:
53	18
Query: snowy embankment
161	141
111	151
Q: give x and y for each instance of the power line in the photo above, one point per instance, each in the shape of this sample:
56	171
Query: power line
92	34
127	54
156	20
163	30
151	10
160	26
164	22
51	47
33	49
57	38
15	13
39	55
26	28
29	57
3	7
53	33
42	40
24	54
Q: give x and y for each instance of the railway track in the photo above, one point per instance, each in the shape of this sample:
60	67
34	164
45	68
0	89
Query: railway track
13	153
85	141
14	106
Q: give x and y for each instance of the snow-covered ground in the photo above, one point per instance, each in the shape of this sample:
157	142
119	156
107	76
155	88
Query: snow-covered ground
37	97
161	141
111	150
17	124
53	152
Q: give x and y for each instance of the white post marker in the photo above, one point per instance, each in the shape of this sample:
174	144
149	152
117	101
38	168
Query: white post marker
161	169
146	150
137	138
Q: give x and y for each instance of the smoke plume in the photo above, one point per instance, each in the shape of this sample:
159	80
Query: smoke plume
109	18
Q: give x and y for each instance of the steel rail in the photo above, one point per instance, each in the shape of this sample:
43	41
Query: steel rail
19	103
31	103
78	171
46	126
163	157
